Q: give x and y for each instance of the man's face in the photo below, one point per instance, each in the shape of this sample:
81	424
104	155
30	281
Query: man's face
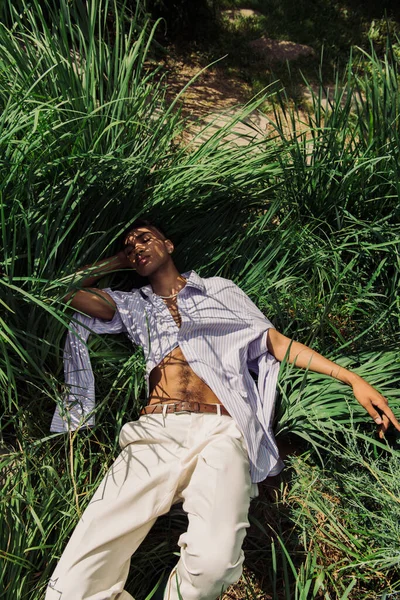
147	250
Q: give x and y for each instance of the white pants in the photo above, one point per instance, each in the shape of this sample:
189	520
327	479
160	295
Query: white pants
196	458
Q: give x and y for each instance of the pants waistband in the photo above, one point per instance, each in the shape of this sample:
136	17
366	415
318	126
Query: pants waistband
184	406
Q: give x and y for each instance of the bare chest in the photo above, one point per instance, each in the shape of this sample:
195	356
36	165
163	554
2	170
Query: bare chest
172	305
173	378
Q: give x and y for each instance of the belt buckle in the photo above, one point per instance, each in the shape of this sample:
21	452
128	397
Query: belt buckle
180	412
188	410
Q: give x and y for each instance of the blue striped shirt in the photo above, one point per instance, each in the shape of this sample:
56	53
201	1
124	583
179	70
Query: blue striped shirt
223	336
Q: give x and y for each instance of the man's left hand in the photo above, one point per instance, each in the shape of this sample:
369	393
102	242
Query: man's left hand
376	406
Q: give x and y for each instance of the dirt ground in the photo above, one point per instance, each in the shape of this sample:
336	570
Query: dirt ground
214	97
213	100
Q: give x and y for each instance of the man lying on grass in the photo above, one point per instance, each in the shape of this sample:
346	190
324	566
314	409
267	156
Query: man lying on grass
204	437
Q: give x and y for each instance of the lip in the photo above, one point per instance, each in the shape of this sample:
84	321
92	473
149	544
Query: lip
142	260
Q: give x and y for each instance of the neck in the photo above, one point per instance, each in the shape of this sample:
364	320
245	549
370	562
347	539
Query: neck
167	280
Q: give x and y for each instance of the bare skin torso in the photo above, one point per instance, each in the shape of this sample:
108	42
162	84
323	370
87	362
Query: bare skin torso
173	379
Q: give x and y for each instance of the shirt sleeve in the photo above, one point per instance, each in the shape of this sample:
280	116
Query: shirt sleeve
76	407
258	321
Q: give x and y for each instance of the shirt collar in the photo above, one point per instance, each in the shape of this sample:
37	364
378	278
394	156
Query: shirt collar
192	280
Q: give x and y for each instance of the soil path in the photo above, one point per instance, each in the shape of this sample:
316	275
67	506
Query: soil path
215	98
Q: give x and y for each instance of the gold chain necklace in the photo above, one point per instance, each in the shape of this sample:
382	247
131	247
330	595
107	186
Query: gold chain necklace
167	297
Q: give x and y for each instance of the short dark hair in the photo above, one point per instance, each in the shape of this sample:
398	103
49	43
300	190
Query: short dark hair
143	223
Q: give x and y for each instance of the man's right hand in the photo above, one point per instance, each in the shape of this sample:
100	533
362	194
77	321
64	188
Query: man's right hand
126	258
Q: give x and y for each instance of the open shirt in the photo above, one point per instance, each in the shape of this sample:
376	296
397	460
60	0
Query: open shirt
223	336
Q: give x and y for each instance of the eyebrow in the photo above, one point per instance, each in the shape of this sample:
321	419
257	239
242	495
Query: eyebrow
137	236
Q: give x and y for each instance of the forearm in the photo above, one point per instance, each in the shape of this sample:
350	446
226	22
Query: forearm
283	348
90	274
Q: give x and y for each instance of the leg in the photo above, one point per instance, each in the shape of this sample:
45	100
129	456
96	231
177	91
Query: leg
217	500
139	487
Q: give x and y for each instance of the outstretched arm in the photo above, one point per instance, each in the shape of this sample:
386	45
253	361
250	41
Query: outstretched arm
300	355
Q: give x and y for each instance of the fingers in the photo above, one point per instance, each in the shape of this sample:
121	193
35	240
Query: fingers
384	417
371	410
386	423
127	256
376	406
388	417
383	427
127	249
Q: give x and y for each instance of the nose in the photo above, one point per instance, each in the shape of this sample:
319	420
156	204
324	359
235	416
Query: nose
138	247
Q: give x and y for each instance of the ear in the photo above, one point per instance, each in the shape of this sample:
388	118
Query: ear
169	246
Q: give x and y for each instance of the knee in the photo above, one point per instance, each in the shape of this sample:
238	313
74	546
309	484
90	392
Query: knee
211	573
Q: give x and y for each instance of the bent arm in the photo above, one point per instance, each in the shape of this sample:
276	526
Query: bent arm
302	356
92	301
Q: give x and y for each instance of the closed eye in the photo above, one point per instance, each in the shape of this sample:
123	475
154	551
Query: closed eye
143	239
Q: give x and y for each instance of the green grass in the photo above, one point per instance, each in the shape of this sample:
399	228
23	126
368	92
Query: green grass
348	511
306	222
